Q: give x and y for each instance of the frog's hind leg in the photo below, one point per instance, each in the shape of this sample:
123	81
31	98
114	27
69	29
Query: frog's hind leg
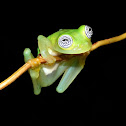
34	73
77	64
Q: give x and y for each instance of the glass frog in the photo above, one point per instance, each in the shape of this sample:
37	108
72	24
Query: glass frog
63	42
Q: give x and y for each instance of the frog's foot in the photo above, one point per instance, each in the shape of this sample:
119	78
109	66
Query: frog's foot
50	59
34	73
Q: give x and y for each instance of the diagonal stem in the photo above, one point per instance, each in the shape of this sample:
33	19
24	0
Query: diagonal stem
108	41
14	76
37	61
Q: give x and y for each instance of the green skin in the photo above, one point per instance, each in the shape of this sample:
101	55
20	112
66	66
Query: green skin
47	74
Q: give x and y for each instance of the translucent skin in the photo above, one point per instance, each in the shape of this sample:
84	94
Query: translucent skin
47	74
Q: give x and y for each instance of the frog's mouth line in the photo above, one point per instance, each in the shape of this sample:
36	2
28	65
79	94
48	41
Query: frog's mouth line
85	53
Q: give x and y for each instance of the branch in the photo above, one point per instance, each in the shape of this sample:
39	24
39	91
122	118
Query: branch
33	63
108	41
14	76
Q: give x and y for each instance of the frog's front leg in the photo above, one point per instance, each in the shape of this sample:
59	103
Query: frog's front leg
44	45
34	73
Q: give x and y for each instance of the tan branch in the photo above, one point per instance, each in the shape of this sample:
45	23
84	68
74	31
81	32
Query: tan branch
14	76
108	41
37	61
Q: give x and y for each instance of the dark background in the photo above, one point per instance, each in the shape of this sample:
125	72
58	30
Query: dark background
99	91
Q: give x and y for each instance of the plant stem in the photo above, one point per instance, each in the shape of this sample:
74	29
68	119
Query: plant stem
39	60
108	41
14	76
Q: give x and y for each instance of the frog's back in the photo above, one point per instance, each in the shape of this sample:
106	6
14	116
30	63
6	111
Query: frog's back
70	41
54	37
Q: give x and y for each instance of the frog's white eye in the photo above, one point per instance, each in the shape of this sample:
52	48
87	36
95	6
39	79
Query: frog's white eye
88	31
65	41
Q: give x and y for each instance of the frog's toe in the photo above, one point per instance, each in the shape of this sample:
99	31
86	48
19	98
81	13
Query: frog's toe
27	52
50	59
60	89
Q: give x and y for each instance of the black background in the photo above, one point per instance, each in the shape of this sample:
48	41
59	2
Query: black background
98	93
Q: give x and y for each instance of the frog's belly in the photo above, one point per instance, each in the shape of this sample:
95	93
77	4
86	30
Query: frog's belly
49	74
50	69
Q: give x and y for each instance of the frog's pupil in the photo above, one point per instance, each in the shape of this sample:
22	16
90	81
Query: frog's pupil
89	29
65	39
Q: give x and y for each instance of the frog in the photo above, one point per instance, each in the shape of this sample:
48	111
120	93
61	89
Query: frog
63	42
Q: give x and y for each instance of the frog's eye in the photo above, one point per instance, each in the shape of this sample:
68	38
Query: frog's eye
88	31
65	41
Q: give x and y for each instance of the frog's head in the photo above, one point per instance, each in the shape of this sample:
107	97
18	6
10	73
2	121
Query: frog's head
73	41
